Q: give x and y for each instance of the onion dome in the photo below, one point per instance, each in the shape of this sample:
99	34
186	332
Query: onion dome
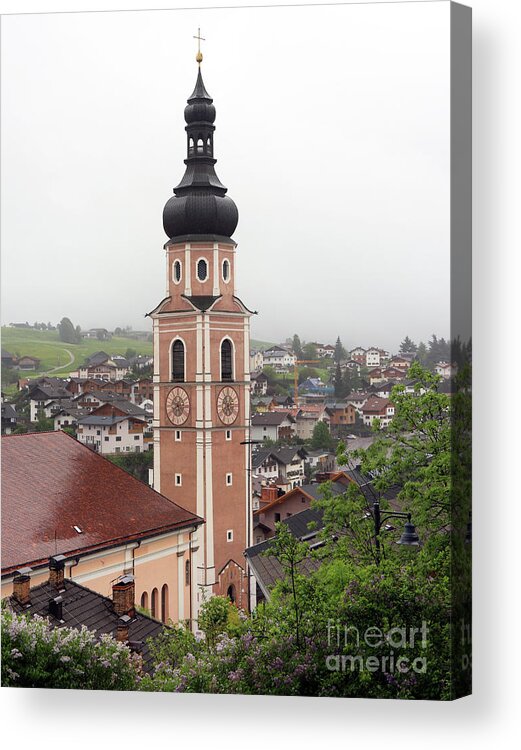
200	208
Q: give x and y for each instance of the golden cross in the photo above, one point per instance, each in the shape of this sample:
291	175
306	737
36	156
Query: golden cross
200	39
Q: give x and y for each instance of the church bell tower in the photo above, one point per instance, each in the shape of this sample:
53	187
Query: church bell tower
201	367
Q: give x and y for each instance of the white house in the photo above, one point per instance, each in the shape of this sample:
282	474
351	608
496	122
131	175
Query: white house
372	357
358	400
112	434
284	465
308	417
256	361
272	425
377	408
278	358
445	369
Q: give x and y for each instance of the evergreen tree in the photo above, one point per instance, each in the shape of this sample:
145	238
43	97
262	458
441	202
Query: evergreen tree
338	382
321	437
408	346
297	346
421	353
340	352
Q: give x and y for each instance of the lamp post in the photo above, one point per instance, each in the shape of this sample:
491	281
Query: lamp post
249	518
409	537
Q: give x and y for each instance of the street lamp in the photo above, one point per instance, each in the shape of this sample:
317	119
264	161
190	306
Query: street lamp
409	537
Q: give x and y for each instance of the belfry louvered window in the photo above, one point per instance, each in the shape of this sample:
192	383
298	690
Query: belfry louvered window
178	361
202	270
226	360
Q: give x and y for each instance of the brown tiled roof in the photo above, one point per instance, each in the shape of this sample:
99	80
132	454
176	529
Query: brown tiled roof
375	404
51	483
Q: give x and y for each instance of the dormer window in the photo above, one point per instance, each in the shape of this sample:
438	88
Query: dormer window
202	269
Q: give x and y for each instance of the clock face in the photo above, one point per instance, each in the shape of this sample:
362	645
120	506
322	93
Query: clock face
177	405
227	405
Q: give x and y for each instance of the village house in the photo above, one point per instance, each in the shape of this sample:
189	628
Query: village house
8	360
343	414
27	363
103	367
112	434
376	375
394	373
401	362
357	400
445	369
259	384
142	390
59	498
272	425
284	466
9	418
372	357
321	460
325	350
279	358
308	416
42	393
141	362
256	361
377	408
69	417
358	355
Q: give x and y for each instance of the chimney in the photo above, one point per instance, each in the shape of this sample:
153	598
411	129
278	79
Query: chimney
22	585
57	572
56	607
123	594
122	629
268	494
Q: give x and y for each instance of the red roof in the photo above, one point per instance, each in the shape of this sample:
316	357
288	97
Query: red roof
52	483
375	404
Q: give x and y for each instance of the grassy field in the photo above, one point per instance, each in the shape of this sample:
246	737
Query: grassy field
58	356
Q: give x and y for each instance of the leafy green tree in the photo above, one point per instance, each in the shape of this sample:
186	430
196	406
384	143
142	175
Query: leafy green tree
130	353
338	381
67	332
270	373
309	351
306	372
321	438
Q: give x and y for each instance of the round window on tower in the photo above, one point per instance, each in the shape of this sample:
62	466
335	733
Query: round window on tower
202	269
176	271
226	270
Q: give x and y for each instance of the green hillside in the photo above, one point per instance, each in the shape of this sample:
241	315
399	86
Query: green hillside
60	357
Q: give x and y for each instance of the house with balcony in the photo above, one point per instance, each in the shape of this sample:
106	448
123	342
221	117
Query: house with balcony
113	434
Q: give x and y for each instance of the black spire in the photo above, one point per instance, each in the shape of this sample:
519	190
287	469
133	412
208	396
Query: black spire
200	207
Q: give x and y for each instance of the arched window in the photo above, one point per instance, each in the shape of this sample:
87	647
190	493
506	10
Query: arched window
164	603
187	573
178	361
191	146
226	270
153	608
200	145
176	271
231	593
144	600
202	269
226	360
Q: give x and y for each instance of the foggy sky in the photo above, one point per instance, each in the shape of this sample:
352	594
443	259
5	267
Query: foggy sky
332	138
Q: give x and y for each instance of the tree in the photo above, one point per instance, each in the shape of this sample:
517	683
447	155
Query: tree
321	438
130	353
297	346
407	346
270	373
421	353
67	332
340	352
338	381
309	351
